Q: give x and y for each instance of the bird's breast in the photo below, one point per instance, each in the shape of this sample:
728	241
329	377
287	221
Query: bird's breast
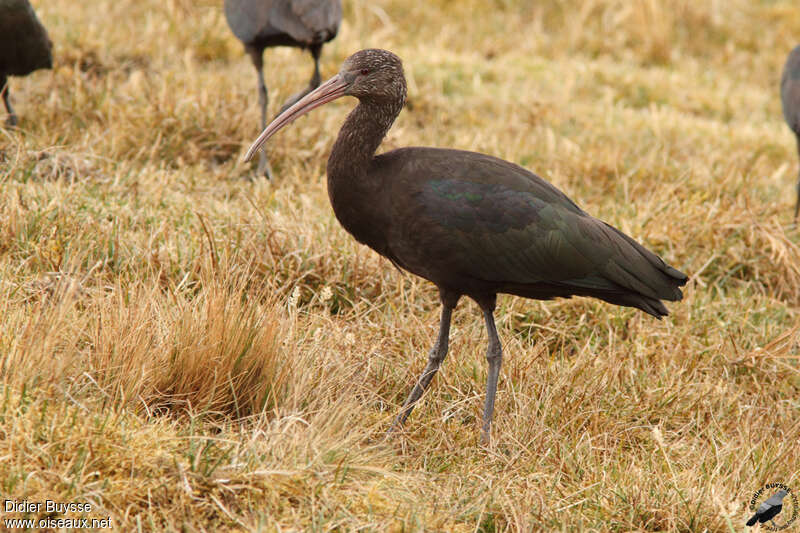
362	216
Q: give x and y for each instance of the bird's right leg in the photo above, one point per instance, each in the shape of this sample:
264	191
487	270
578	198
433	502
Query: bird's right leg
12	117
316	49
494	356
257	57
435	358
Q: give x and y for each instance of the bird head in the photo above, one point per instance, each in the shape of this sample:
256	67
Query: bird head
373	76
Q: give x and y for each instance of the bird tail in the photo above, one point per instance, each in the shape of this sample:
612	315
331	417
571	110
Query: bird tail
656	278
647	282
631	275
753	520
624	272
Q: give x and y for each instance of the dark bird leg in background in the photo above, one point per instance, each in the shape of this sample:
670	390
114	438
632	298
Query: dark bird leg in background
316	79
435	358
316	50
257	56
797	205
494	356
12	117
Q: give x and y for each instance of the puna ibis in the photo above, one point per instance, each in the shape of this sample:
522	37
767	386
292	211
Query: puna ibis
790	98
24	46
473	224
265	23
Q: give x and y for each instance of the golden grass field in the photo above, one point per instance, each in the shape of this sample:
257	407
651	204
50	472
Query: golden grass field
190	349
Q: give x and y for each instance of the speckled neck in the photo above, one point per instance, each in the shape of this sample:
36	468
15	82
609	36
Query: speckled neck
359	138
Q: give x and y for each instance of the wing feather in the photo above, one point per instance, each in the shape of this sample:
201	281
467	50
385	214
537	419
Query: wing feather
490	220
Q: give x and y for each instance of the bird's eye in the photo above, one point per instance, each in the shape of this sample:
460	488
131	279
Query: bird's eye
364	71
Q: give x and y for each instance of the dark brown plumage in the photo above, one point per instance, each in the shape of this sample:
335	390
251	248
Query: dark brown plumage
790	99
261	24
24	46
472	224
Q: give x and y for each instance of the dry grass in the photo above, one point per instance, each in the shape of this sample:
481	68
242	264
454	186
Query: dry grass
188	349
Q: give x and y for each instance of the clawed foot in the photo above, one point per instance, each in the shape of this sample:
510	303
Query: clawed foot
264	169
396	426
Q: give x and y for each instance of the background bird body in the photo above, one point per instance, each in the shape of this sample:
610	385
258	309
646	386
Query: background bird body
472	224
298	23
259	24
24	46
790	101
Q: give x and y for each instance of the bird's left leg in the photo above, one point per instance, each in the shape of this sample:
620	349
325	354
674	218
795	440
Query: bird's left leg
316	79
494	356
257	57
12	117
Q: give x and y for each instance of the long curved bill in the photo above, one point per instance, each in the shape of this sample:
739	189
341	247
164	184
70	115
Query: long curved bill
330	90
